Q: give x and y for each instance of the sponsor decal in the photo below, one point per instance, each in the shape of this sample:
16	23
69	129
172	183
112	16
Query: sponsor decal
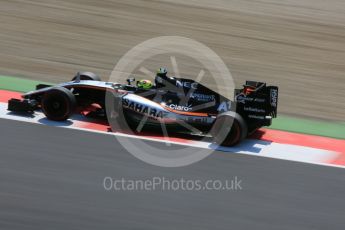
274	97
260	100
256	117
143	109
224	106
178	83
241	98
198	120
180	107
187	84
256	110
202	97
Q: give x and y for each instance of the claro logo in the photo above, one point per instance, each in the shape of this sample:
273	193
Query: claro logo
274	97
180	107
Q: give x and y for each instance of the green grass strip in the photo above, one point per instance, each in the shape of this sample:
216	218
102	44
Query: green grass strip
285	123
18	84
308	126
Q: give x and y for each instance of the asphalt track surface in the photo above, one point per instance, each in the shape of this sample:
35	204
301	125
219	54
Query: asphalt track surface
296	44
52	178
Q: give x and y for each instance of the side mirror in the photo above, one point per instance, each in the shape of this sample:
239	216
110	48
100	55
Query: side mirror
130	80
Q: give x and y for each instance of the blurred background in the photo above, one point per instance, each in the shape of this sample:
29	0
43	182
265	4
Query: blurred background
298	45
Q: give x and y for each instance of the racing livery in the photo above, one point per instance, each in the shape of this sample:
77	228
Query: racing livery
185	106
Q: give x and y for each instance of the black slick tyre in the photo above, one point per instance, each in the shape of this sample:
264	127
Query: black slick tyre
229	129
58	104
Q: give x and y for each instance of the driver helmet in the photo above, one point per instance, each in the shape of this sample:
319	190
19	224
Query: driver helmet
144	84
162	72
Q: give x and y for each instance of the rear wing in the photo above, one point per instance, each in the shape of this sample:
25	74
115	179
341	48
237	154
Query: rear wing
257	101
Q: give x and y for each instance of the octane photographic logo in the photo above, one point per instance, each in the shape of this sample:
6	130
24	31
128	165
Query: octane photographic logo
165	155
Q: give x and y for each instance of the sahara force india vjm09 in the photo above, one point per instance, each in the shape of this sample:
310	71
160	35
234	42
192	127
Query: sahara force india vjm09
181	105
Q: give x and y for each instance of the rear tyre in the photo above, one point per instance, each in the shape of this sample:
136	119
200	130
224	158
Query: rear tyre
229	129
58	104
87	76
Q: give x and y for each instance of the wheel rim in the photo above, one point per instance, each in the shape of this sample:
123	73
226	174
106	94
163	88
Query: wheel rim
56	107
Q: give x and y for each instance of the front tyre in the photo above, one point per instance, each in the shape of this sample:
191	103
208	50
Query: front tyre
58	104
229	129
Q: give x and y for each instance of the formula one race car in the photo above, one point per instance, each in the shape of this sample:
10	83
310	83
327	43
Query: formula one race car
187	107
